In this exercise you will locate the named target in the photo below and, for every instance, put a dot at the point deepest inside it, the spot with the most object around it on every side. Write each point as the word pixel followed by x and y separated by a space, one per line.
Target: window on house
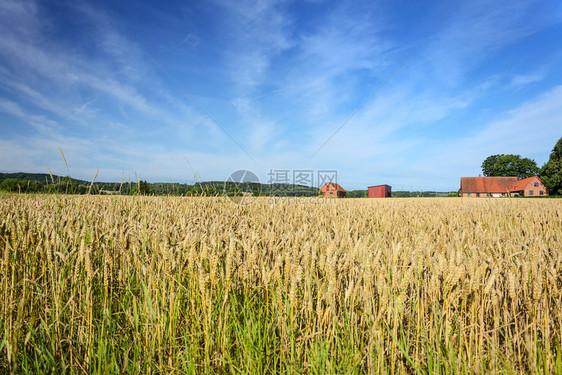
pixel 541 192
pixel 536 184
pixel 531 192
pixel 468 194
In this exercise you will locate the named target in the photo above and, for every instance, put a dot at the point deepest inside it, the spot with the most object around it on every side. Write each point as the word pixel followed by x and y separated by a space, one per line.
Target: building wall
pixel 332 192
pixel 534 191
pixel 481 195
pixel 475 195
pixel 383 191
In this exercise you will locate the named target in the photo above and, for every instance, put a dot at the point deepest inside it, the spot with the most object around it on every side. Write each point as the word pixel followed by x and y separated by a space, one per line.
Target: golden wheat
pixel 162 284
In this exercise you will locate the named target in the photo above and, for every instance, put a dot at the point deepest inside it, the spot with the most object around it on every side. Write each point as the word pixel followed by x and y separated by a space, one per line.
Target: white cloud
pixel 17 158
pixel 42 124
pixel 190 39
pixel 476 32
pixel 38 66
pixel 259 32
pixel 18 16
pixel 291 87
pixel 522 80
pixel 527 129
pixel 530 130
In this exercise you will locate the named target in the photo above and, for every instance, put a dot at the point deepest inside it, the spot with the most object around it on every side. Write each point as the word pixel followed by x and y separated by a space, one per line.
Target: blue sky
pixel 280 77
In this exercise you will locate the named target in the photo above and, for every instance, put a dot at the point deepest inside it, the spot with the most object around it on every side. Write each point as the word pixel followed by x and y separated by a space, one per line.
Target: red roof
pixel 487 184
pixel 494 184
pixel 522 184
pixel 332 186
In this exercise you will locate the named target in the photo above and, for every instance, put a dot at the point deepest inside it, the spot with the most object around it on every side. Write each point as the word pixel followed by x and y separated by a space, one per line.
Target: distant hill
pixel 42 178
pixel 55 183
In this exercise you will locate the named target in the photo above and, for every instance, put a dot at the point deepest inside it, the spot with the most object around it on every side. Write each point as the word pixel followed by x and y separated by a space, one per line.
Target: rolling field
pixel 92 284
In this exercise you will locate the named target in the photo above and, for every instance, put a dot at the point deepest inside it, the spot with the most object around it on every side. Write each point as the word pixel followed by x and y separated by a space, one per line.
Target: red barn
pixel 380 191
pixel 331 189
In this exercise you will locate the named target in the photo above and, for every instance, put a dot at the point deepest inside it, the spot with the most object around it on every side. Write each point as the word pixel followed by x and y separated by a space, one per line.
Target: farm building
pixel 502 187
pixel 331 189
pixel 529 187
pixel 379 191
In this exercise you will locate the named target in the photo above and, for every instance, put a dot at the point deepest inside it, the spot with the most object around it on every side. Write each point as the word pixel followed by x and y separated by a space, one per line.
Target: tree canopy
pixel 551 172
pixel 18 186
pixel 141 188
pixel 509 165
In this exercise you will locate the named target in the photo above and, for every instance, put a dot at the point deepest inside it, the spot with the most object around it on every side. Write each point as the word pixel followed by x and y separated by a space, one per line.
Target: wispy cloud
pixel 522 80
pixel 476 32
pixel 259 32
pixel 42 124
pixel 38 64
pixel 538 120
pixel 190 39
pixel 280 76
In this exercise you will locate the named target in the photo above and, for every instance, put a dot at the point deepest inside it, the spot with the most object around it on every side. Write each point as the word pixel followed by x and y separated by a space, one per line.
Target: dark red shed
pixel 380 191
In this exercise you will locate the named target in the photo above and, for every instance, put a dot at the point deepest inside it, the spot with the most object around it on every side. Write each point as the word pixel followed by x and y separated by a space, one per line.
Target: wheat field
pixel 176 285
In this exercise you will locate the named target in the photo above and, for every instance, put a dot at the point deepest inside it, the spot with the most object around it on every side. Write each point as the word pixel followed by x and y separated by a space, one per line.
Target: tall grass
pixel 92 284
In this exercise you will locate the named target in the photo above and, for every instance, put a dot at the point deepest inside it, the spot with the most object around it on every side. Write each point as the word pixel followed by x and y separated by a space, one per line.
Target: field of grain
pixel 201 285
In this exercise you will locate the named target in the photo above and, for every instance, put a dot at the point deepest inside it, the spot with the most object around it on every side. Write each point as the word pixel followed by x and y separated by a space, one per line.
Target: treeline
pixel 65 185
pixel 45 183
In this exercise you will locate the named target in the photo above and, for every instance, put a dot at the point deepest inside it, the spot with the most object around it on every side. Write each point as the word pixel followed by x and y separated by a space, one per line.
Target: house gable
pixel 331 189
pixel 529 187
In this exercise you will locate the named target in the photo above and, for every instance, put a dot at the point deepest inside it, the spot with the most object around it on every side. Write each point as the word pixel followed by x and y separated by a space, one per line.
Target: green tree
pixel 141 188
pixel 11 184
pixel 509 165
pixel 20 186
pixel 66 185
pixel 551 172
pixel 210 191
pixel 234 192
pixel 195 191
